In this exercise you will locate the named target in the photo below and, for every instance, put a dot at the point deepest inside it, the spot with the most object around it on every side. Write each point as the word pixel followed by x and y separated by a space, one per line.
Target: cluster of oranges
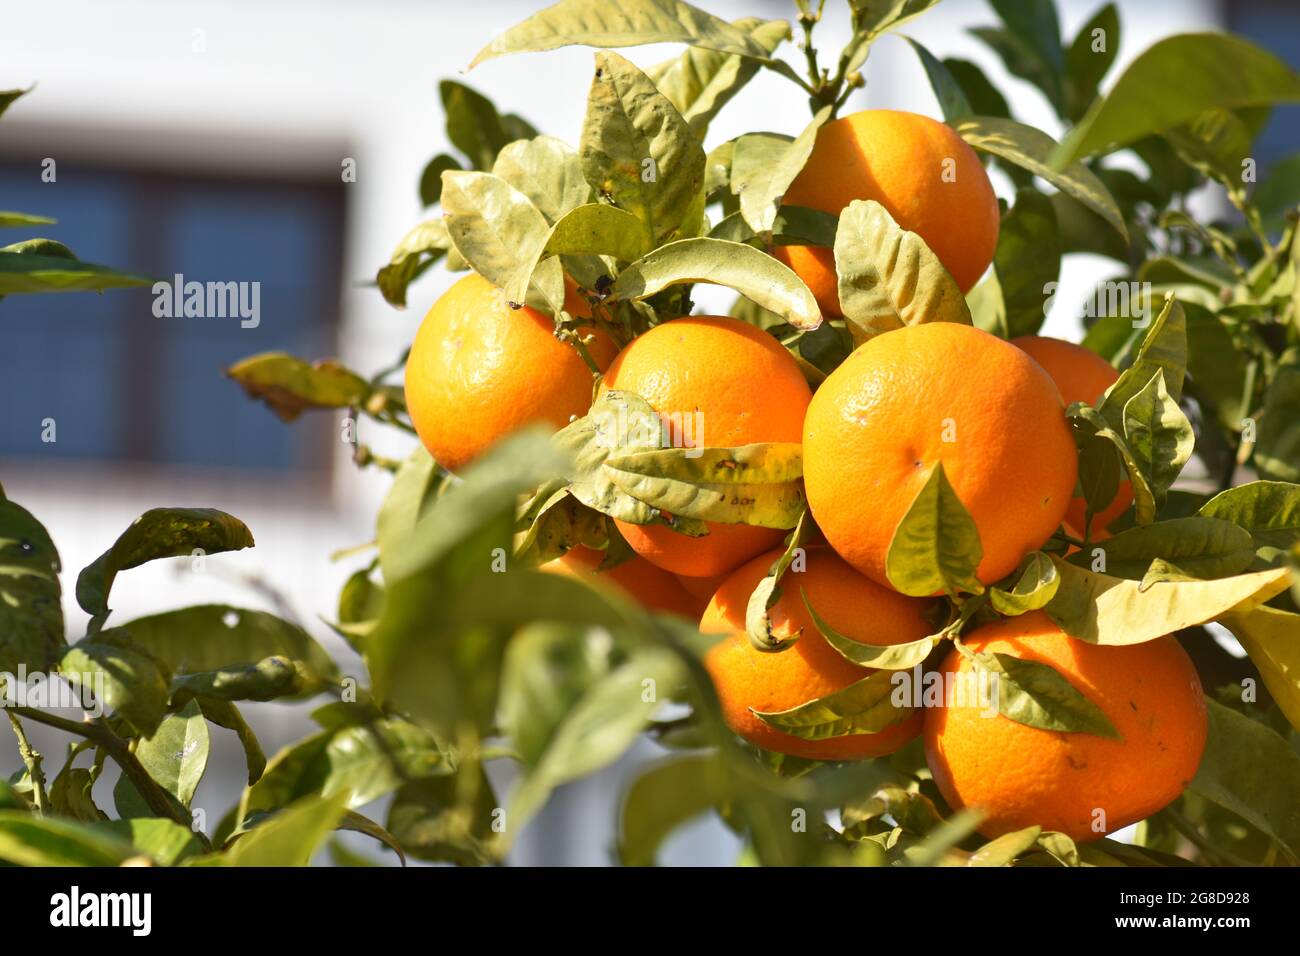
pixel 991 411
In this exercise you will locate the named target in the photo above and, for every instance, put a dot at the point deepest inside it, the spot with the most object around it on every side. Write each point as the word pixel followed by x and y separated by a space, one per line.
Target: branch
pixel 32 759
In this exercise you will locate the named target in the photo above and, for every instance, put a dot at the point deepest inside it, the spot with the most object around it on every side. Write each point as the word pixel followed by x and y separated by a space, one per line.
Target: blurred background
pixel 207 138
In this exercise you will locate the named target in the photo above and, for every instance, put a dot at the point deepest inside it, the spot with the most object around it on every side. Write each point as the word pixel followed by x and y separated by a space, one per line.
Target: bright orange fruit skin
pixel 920 170
pixel 479 370
pixel 742 387
pixel 649 586
pixel 1020 776
pixel 880 421
pixel 749 680
pixel 703 588
pixel 1082 376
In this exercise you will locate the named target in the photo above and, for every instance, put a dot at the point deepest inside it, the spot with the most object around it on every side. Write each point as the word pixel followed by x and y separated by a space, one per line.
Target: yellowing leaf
pixel 1106 610
pixel 888 277
pixel 1272 639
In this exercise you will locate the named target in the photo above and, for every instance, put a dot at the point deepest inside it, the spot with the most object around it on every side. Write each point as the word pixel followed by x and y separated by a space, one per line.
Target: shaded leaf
pixel 159 533
pixel 290 386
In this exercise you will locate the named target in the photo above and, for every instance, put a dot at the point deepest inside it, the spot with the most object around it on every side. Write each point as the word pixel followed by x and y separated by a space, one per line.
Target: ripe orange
pixel 649 586
pixel 929 393
pixel 479 370
pixel 920 170
pixel 719 383
pixel 1082 376
pixel 750 680
pixel 703 588
pixel 1020 775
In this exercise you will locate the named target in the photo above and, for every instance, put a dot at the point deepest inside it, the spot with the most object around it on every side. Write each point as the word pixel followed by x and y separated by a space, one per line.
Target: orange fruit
pixel 718 382
pixel 920 170
pixel 1020 776
pixel 1082 376
pixel 479 370
pixel 649 586
pixel 940 392
pixel 703 588
pixel 750 680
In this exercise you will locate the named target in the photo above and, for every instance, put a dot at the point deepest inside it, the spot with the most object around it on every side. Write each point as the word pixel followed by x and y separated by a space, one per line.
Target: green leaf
pixel 290 837
pixel 1216 367
pixel 1028 261
pixel 1159 435
pixel 600 727
pixel 227 715
pixel 267 679
pixel 892 657
pixel 1199 547
pixel 1033 150
pixel 753 484
pixel 872 19
pixel 983 96
pixel 362 761
pixel 1032 586
pixel 125 681
pixel 630 23
pixel 290 386
pixel 420 248
pixel 952 98
pixel 1277 445
pixel 368 762
pixel 598 229
pixel 664 797
pixel 546 170
pixel 888 277
pixel 435 654
pixel 1004 850
pixel 1251 771
pixel 13 219
pixel 495 228
pixel 175 755
pixel 752 273
pixel 31 608
pixel 864 707
pixel 27 840
pixel 414 486
pixel 164 841
pixel 1269 510
pixel 1037 695
pixel 546 670
pixel 159 533
pixel 638 153
pixel 1034 27
pixel 1218 141
pixel 446 819
pixel 214 637
pixel 7 98
pixel 431 178
pixel 71 795
pixel 473 124
pixel 1164 349
pixel 700 82
pixel 763 165
pixel 766 594
pixel 1172 83
pixel 22 272
pixel 936 546
pixel 1085 66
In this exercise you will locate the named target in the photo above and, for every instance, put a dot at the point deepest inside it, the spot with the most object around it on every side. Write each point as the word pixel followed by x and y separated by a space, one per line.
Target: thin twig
pixel 32 760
